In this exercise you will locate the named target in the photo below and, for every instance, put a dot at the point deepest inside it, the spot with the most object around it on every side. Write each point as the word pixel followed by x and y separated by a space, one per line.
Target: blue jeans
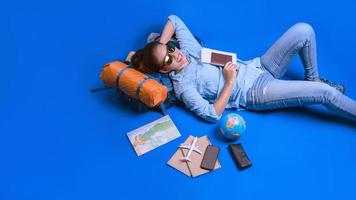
pixel 269 92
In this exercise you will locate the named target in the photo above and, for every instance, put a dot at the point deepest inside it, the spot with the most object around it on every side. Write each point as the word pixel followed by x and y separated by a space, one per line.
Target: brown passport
pixel 192 168
pixel 220 59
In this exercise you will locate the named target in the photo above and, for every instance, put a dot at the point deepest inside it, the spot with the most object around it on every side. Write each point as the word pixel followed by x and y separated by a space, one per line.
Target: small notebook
pixel 192 168
pixel 215 57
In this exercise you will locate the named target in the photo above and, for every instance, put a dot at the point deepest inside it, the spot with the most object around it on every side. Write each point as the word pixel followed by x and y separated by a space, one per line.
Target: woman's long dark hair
pixel 145 60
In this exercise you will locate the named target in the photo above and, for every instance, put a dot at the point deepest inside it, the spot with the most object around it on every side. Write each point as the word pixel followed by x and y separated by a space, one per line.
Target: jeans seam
pixel 283 100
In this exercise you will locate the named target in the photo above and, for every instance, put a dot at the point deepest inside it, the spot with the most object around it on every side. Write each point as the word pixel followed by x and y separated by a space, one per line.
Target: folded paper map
pixel 153 135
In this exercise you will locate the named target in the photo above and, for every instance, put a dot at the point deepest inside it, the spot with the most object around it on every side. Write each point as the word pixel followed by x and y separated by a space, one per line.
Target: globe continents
pixel 232 125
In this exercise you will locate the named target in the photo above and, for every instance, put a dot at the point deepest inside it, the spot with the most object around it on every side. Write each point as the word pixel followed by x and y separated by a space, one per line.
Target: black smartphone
pixel 240 156
pixel 210 157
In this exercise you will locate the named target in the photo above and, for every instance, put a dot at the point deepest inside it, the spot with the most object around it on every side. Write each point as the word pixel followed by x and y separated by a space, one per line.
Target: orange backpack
pixel 133 83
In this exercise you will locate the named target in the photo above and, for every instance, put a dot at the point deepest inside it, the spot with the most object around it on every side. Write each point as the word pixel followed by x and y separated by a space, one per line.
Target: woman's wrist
pixel 229 84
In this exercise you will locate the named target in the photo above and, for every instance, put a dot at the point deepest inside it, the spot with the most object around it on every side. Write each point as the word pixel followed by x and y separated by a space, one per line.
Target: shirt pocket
pixel 208 78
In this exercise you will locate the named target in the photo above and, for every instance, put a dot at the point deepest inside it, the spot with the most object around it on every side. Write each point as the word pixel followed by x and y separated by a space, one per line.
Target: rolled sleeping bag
pixel 134 83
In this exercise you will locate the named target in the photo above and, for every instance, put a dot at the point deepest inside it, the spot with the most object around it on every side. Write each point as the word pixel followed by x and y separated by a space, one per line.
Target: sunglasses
pixel 168 59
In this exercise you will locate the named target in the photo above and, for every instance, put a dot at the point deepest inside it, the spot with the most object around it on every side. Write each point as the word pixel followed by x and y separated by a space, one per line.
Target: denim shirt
pixel 198 84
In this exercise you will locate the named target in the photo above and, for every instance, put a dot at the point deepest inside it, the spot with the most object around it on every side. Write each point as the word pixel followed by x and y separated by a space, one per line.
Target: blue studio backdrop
pixel 59 141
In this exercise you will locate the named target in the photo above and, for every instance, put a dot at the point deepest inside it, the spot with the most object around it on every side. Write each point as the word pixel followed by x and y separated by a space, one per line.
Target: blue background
pixel 59 141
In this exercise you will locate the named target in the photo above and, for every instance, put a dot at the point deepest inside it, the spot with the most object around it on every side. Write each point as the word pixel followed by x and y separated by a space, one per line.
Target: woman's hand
pixel 230 71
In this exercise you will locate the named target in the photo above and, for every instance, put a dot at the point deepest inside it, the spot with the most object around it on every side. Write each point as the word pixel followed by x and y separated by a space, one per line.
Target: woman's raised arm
pixel 167 32
pixel 185 38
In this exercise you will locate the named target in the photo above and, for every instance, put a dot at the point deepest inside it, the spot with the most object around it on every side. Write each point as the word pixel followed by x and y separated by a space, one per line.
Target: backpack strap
pixel 140 85
pixel 100 89
pixel 117 78
pixel 163 109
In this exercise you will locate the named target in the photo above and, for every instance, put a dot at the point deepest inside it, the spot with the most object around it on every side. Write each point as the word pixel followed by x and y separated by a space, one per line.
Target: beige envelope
pixel 191 168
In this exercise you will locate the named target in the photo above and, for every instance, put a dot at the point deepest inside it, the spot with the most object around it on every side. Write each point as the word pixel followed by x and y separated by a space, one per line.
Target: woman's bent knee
pixel 303 29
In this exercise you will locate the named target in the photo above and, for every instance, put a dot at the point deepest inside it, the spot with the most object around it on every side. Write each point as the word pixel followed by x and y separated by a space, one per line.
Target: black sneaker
pixel 337 86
